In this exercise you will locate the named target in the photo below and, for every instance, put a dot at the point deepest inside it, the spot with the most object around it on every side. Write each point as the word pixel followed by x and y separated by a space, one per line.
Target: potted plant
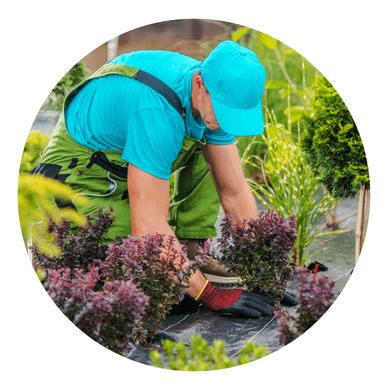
pixel 260 251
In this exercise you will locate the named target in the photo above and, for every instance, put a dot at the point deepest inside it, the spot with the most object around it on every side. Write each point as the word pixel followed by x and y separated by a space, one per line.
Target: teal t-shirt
pixel 118 113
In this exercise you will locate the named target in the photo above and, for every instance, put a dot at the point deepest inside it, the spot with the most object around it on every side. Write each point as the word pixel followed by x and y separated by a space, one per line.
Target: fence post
pixel 362 219
pixel 112 46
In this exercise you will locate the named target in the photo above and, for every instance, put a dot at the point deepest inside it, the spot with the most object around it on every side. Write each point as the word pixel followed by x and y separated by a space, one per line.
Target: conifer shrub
pixel 316 295
pixel 157 269
pixel 332 145
pixel 260 251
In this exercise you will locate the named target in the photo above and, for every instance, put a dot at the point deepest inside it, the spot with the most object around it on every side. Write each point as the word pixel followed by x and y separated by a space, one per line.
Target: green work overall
pixel 194 205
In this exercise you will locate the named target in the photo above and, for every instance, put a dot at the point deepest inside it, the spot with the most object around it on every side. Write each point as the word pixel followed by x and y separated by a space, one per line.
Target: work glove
pixel 289 299
pixel 237 301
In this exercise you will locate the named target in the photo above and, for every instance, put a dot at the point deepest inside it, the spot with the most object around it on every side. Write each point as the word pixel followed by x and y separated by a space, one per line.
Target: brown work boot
pixel 213 271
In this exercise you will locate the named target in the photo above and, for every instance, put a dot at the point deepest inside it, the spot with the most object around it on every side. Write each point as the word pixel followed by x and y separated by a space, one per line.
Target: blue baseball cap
pixel 235 80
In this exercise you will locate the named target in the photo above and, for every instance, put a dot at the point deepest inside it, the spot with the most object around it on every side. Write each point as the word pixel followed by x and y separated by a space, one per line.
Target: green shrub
pixel 35 144
pixel 200 356
pixel 69 81
pixel 332 145
pixel 36 204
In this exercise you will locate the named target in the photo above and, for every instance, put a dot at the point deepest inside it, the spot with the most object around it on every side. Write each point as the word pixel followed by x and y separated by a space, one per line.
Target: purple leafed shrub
pixel 108 316
pixel 260 251
pixel 151 263
pixel 79 251
pixel 316 295
pixel 157 268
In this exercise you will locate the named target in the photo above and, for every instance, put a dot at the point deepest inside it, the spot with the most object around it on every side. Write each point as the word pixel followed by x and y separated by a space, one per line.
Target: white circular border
pixel 190 9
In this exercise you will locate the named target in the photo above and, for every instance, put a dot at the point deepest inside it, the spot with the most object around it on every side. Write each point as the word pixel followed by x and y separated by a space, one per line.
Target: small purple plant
pixel 315 298
pixel 260 251
pixel 157 268
pixel 108 316
pixel 151 263
pixel 79 251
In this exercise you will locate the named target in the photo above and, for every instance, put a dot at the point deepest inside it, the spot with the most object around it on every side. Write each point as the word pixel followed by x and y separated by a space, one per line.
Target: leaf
pixel 289 51
pixel 272 84
pixel 239 33
pixel 319 251
pixel 333 232
pixel 295 113
pixel 268 41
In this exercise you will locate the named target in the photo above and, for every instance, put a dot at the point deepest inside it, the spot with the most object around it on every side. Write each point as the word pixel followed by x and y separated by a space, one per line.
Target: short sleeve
pixel 154 139
pixel 218 137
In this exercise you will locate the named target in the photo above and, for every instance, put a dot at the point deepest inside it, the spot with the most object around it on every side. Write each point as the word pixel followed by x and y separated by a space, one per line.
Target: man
pixel 149 113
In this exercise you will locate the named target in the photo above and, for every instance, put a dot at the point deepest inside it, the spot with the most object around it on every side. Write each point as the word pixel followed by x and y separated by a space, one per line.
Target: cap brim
pixel 239 122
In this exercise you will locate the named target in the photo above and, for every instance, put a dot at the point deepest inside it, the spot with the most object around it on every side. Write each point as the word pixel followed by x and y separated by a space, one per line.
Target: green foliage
pixel 36 204
pixel 288 87
pixel 285 69
pixel 36 194
pixel 69 81
pixel 200 356
pixel 292 187
pixel 332 145
pixel 35 144
pixel 172 183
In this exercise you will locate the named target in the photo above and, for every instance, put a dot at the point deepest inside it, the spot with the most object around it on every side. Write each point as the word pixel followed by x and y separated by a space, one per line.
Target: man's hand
pixel 149 202
pixel 237 301
pixel 289 299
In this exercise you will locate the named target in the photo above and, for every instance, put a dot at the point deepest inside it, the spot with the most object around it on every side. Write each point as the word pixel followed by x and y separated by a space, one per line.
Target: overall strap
pixel 98 157
pixel 141 76
pixel 161 88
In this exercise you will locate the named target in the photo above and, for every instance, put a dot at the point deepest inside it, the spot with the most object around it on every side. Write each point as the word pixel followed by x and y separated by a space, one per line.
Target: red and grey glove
pixel 289 299
pixel 239 302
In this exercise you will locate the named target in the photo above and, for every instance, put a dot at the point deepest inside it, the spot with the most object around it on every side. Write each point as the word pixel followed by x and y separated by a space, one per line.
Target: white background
pixel 28 347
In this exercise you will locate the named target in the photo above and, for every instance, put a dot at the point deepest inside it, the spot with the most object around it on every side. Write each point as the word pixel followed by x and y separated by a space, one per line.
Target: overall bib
pixel 101 175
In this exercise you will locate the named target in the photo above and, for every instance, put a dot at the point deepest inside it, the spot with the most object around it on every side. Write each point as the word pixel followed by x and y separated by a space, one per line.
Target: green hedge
pixel 332 145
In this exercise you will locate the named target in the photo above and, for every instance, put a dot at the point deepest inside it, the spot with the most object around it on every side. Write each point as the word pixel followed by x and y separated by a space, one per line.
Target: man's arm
pixel 149 202
pixel 235 195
